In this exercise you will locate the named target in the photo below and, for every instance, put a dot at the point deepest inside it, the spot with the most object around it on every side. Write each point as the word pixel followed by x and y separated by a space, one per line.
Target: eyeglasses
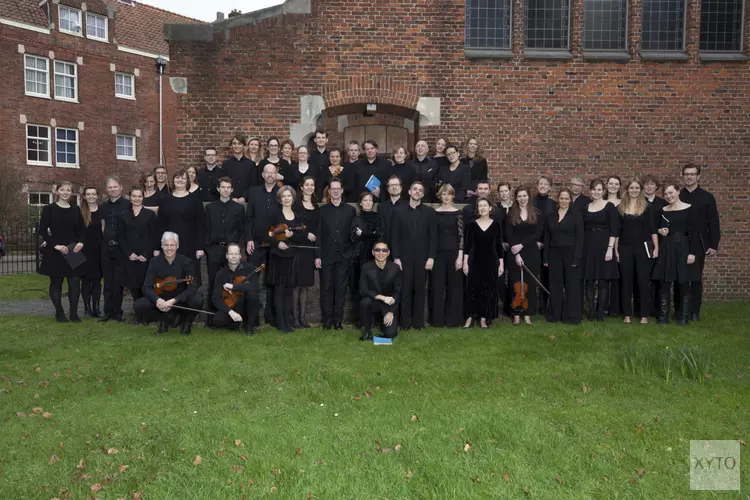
pixel 380 250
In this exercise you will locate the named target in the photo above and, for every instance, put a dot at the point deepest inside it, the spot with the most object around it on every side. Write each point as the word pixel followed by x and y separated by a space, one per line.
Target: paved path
pixel 43 307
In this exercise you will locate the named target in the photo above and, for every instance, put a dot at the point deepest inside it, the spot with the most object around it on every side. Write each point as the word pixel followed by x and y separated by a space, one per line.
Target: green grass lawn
pixel 546 411
pixel 25 286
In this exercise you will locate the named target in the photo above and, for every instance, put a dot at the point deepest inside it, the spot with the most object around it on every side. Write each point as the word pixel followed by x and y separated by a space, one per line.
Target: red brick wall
pixel 98 108
pixel 531 117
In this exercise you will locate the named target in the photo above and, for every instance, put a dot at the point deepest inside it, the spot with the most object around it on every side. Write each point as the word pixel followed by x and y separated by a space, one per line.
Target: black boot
pixel 589 291
pixel 602 300
pixel 366 334
pixel 684 317
pixel 663 317
pixel 163 327
pixel 187 328
pixel 95 312
pixel 87 310
pixel 74 318
pixel 60 317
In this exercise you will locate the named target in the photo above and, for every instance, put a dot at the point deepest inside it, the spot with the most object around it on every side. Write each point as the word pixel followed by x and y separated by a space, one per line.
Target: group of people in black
pixel 270 221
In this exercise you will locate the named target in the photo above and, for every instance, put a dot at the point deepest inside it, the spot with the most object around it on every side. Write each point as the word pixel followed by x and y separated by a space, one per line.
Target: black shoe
pixel 163 328
pixel 87 311
pixel 327 326
pixel 60 317
pixel 695 317
pixel 187 328
pixel 250 331
pixel 366 334
pixel 119 318
pixel 684 317
pixel 176 320
pixel 105 318
pixel 302 322
pixel 136 322
pixel 95 312
pixel 338 326
pixel 74 318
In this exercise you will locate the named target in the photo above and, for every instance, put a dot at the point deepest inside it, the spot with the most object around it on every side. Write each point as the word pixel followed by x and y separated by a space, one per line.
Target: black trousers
pixel 614 305
pixel 597 309
pixel 261 256
pixel 413 293
pixel 246 306
pixel 635 274
pixel 112 271
pixel 334 278
pixel 696 287
pixel 447 291
pixel 374 310
pixel 147 310
pixel 215 260
pixel 542 300
pixel 564 286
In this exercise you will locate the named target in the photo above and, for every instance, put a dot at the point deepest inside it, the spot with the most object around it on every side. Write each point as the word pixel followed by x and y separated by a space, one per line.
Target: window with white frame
pixel 66 147
pixel 38 145
pixel 36 75
pixel 40 199
pixel 125 147
pixel 125 85
pixel 96 27
pixel 70 21
pixel 66 81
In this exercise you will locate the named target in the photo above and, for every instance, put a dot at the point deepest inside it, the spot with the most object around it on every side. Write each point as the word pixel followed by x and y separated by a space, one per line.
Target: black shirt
pixel 208 180
pixel 243 173
pixel 414 233
pixel 387 282
pixel 635 229
pixel 112 212
pixel 707 215
pixel 225 223
pixel 185 216
pixel 365 169
pixel 333 234
pixel 138 234
pixel 319 159
pixel 387 210
pixel 261 209
pixel 544 204
pixel 479 170
pixel 226 275
pixel 180 268
pixel 459 179
pixel 582 202
pixel 405 172
pixel 566 233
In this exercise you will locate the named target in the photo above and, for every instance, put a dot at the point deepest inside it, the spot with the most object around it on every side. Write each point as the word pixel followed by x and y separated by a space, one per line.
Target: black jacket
pixel 261 210
pixel 180 268
pixel 707 216
pixel 243 173
pixel 566 233
pixel 414 233
pixel 386 282
pixel 208 180
pixel 225 223
pixel 112 212
pixel 333 234
pixel 226 275
pixel 138 235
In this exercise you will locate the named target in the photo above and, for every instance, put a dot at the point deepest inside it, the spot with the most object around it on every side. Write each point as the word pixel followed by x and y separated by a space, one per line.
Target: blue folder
pixel 382 341
pixel 372 183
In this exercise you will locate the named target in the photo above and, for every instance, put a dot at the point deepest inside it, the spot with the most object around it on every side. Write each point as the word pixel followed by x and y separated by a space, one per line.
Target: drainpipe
pixel 161 63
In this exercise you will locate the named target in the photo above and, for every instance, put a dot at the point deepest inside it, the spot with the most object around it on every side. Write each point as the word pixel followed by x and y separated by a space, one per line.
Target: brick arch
pixel 370 90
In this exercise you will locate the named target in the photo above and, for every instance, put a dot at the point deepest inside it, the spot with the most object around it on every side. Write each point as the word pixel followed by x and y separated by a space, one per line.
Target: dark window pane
pixel 604 24
pixel 487 24
pixel 547 23
pixel 663 25
pixel 721 25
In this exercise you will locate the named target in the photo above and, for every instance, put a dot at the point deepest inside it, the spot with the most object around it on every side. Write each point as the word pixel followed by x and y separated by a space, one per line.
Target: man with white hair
pixel 169 283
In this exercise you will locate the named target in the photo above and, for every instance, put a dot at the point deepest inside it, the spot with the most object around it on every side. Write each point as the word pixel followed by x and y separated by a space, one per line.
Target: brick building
pixel 621 87
pixel 80 94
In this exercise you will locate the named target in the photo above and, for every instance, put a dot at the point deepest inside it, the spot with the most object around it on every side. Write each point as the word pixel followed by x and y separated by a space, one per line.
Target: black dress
pixel 598 228
pixel 92 242
pixel 479 170
pixel 283 265
pixel 60 226
pixel 293 177
pixel 348 179
pixel 185 217
pixel 682 240
pixel 137 235
pixel 459 179
pixel 305 257
pixel 485 249
pixel 528 235
pixel 154 201
pixel 372 226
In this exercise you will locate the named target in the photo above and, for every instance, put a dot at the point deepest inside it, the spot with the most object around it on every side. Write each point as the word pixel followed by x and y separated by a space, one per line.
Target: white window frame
pixel 132 85
pixel 49 145
pixel 40 194
pixel 75 81
pixel 123 157
pixel 25 81
pixel 60 9
pixel 106 27
pixel 77 152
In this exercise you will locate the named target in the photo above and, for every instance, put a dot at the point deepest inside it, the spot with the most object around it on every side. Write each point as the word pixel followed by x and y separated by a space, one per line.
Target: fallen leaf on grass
pixel 47 414
pixel 640 472
pixel 137 495
pixel 500 380
pixel 197 460
pixel 414 418
pixel 506 477
pixel 85 477
pixel 467 446
pixel 220 453
pixel 586 388
pixel 526 491
pixel 238 443
pixel 397 447
pixel 476 479
pixel 53 459
pixel 81 464
pixel 20 414
pixel 276 472
pixel 742 442
pixel 632 481
pixel 113 451
pixel 38 370
pixel 96 488
pixel 552 338
pixel 298 453
pixel 320 461
pixel 409 475
pixel 122 468
pixel 243 458
pixel 274 489
pixel 559 480
pixel 640 427
pixel 37 410
pixel 237 468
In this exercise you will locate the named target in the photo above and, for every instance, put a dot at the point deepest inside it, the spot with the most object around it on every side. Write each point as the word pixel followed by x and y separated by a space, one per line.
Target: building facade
pixel 80 95
pixel 560 87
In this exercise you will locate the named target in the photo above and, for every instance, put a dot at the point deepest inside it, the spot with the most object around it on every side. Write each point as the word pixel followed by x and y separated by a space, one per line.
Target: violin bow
pixel 191 309
pixel 535 279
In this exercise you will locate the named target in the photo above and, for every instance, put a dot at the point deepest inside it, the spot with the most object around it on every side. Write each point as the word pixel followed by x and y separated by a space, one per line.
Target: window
pixel 663 25
pixel 37 145
pixel 605 25
pixel 66 147
pixel 488 24
pixel 36 75
pixel 96 27
pixel 124 85
pixel 66 81
pixel 721 25
pixel 70 20
pixel 125 147
pixel 40 199
pixel 547 24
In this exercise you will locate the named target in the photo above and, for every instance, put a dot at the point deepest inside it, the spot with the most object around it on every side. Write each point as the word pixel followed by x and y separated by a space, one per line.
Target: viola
pixel 520 301
pixel 169 284
pixel 278 232
pixel 230 298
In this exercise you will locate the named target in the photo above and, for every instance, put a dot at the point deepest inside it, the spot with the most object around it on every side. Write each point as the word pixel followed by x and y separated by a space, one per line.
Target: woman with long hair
pixel 300 169
pixel 563 255
pixel 446 282
pixel 273 157
pixel 152 197
pixel 62 229
pixel 455 173
pixel 307 209
pixel 474 158
pixel 91 279
pixel 525 226
pixel 613 195
pixel 289 174
pixel 440 157
pixel 637 245
pixel 193 178
pixel 612 190
pixel 601 228
pixel 337 170
pixel 254 152
pixel 401 167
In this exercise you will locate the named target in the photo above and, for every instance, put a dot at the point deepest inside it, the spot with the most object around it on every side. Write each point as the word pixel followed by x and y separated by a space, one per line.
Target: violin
pixel 169 284
pixel 278 232
pixel 230 297
pixel 520 301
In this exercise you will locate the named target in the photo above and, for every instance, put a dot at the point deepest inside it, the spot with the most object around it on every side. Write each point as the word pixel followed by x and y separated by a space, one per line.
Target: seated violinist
pixel 380 292
pixel 235 293
pixel 169 285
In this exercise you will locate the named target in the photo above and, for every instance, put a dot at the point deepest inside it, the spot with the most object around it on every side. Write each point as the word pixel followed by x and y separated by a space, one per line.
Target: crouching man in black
pixel 157 301
pixel 246 305
pixel 380 289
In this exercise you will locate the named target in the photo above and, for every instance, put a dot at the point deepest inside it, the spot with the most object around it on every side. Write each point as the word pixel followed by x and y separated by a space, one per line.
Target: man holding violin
pixel 235 293
pixel 168 285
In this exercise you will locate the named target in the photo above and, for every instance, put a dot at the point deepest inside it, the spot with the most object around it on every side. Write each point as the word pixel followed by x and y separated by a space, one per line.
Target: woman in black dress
pixel 483 264
pixel 367 228
pixel 138 240
pixel 637 245
pixel 613 195
pixel 525 226
pixel 301 169
pixel 441 158
pixel 283 263
pixel 679 244
pixel 474 159
pixel 307 208
pixel 563 255
pixel 456 174
pixel 62 230
pixel 287 151
pixel 601 227
pixel 289 174
pixel 500 214
pixel 447 288
pixel 345 173
pixel 282 166
pixel 182 213
pixel 91 279
pixel 152 197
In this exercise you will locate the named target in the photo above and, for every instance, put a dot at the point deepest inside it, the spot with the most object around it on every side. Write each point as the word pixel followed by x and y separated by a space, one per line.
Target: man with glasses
pixel 208 176
pixel 380 292
pixel 246 306
pixel 707 214
pixel 388 207
pixel 580 200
